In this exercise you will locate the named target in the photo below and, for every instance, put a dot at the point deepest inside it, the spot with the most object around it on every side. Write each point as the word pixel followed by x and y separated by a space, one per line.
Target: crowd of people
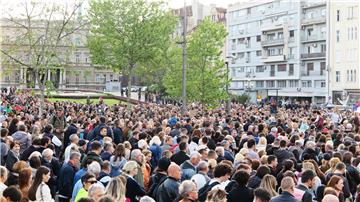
pixel 97 153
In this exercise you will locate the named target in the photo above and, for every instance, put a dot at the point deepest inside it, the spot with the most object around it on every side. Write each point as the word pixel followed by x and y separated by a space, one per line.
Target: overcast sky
pixel 221 3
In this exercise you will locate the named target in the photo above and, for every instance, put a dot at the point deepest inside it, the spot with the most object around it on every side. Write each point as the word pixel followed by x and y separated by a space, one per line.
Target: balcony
pixel 273 58
pixel 273 42
pixel 313 21
pixel 313 56
pixel 313 38
pixel 291 56
pixel 313 5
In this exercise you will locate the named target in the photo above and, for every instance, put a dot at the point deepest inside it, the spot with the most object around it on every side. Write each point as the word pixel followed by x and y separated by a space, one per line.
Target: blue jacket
pixel 284 197
pixel 188 170
pixel 65 179
pixel 156 155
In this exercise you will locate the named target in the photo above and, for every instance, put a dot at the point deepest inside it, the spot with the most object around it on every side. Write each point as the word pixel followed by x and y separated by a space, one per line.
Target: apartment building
pixel 344 51
pixel 77 73
pixel 278 49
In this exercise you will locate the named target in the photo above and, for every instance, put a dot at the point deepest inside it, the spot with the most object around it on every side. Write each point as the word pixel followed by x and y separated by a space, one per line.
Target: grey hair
pixel 195 155
pixel 135 153
pixel 3 172
pixel 203 165
pixel 73 136
pixel 186 187
pixel 220 150
pixel 47 152
pixel 74 155
pixel 93 188
pixel 147 199
pixel 94 168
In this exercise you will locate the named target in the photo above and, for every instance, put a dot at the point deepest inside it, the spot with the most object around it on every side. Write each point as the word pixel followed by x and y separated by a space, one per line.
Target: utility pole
pixel 183 106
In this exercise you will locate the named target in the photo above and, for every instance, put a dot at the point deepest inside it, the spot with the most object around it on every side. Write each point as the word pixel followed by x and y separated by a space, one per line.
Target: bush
pixel 241 99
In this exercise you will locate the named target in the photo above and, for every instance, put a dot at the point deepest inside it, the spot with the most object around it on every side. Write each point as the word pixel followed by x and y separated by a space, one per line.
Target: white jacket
pixel 43 194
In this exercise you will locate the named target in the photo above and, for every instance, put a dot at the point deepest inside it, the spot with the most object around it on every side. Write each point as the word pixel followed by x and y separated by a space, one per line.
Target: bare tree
pixel 42 38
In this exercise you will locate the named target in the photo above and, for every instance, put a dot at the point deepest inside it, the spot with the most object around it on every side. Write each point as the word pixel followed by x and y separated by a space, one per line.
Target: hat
pixel 164 163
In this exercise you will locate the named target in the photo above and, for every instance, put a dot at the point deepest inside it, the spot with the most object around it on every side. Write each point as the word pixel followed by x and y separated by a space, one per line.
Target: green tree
pixel 128 34
pixel 206 74
pixel 40 39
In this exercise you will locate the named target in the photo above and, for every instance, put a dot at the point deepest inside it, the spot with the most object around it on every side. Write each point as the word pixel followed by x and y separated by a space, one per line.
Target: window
pixel 270 84
pixel 351 75
pixel 77 41
pixel 322 68
pixel 310 31
pixel 323 48
pixel 355 33
pixel 282 68
pixel 310 67
pixel 271 52
pixel 291 33
pixel 271 37
pixel 337 76
pixel 323 84
pixel 291 69
pixel 281 84
pixel 309 84
pixel 260 68
pixel 248 11
pixel 258 38
pixel 272 70
pixel 350 12
pixel 280 50
pixel 354 75
pixel 77 57
pixel 338 15
pixel 259 84
pixel 348 33
pixel 233 72
pixel 242 69
pixel 304 84
pixel 280 35
pixel 241 55
pixel 258 53
pixel 352 33
pixel 347 75
pixel 337 35
pixel 293 83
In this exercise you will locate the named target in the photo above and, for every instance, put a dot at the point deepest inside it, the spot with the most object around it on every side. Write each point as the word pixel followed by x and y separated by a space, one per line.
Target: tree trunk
pixel 131 67
pixel 42 92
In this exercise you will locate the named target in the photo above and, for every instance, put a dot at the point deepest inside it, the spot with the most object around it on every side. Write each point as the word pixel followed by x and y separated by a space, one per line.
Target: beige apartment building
pixel 344 52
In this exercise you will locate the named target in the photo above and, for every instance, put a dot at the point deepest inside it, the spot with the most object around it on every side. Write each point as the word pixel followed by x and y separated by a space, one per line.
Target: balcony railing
pixel 272 42
pixel 320 37
pixel 312 55
pixel 314 20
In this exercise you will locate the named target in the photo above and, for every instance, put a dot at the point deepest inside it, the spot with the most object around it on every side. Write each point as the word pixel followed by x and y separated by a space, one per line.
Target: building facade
pixel 344 51
pixel 278 49
pixel 77 72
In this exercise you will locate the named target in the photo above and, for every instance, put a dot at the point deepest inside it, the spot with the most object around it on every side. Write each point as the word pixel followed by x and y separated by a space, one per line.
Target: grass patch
pixel 109 102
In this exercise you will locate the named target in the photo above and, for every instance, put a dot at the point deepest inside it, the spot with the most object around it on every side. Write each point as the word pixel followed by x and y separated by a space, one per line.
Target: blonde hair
pixel 129 166
pixel 117 188
pixel 332 163
pixel 308 166
pixel 212 163
pixel 269 184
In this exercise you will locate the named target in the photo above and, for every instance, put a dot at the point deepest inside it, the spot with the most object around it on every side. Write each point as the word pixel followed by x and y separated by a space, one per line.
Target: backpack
pixel 153 190
pixel 204 191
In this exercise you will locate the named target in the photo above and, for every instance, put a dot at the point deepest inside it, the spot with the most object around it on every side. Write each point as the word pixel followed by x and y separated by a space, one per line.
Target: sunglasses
pixel 92 182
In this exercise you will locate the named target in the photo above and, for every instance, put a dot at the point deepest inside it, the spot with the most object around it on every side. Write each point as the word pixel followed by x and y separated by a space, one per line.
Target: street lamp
pixel 228 101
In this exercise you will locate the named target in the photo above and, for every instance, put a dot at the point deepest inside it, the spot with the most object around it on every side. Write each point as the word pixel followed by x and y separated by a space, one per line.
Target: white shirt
pixel 43 193
pixel 68 152
pixel 199 180
pixel 2 188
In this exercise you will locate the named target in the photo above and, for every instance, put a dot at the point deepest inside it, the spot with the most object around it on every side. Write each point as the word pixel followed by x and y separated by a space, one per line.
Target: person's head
pixel 288 165
pixel 59 111
pixel 174 171
pixel 131 168
pixel 269 183
pixel 96 147
pixel 116 188
pixel 287 184
pixel 18 166
pixel 251 143
pixel 241 177
pixel 222 172
pixel 347 158
pixel 217 195
pixel 94 168
pixel 308 178
pixel 22 127
pixel 106 198
pixel 47 154
pixel 336 182
pixel 330 198
pixel 147 155
pixel 119 151
pixel 262 171
pixel 188 190
pixel 108 147
pixel 12 194
pixel 195 158
pixel 48 128
pixel 261 195
pixel 103 131
pixel 163 164
pixel 203 166
pixel 4 132
pixel 15 146
pixel 3 174
pixel 75 158
pixel 272 161
pixel 137 156
pixel 87 180
pixel 74 138
pixel 96 191
pixel 42 175
pixel 183 146
pixel 25 178
pixel 340 168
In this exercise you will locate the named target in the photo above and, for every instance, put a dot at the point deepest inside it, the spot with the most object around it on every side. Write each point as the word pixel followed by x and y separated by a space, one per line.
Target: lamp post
pixel 228 101
pixel 183 91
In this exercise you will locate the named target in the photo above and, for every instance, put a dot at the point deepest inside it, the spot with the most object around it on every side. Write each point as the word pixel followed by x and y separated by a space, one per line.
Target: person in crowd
pixel 216 195
pixel 255 180
pixel 87 180
pixel 307 182
pixel 337 183
pixel 74 140
pixel 138 157
pixel 269 184
pixel 22 137
pixel 201 178
pixel 3 177
pixel 287 187
pixel 116 188
pixel 159 176
pixel 107 151
pixel 241 192
pixel 261 195
pixel 66 177
pixel 188 168
pixel 133 189
pixel 94 154
pixel 169 189
pixel 39 190
pixel 13 155
pixel 117 160
pixel 95 192
pixel 25 182
pixel 12 194
pixel 187 191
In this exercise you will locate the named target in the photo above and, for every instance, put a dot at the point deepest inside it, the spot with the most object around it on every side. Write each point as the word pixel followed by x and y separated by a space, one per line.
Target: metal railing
pixel 312 55
pixel 272 41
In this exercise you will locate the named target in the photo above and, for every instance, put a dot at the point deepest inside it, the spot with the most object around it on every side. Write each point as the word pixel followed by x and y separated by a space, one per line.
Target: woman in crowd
pixel 269 184
pixel 39 190
pixel 13 155
pixel 116 188
pixel 133 190
pixel 118 160
pixel 337 183
pixel 25 181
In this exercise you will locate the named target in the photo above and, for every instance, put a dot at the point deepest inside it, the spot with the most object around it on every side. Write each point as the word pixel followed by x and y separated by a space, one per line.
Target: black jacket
pixel 179 157
pixel 133 190
pixel 284 197
pixel 240 194
pixel 307 197
pixel 254 182
pixel 168 191
pixel 72 129
pixel 154 182
pixel 118 135
pixel 92 156
pixel 353 177
pixel 346 188
pixel 282 154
